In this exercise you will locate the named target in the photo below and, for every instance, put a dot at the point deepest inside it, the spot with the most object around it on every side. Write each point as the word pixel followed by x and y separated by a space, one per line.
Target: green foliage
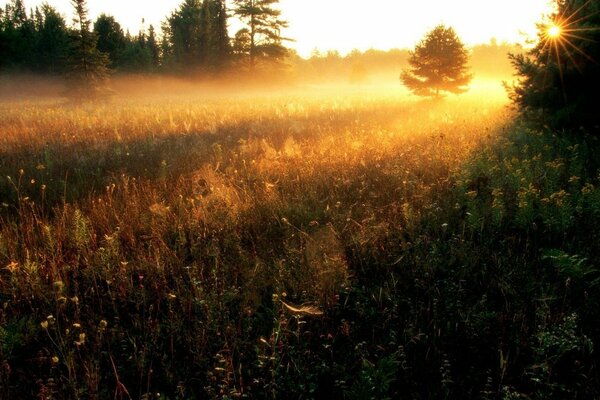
pixel 438 64
pixel 559 77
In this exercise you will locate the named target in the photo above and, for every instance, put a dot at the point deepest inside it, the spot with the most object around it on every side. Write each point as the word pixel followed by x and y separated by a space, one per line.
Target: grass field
pixel 333 243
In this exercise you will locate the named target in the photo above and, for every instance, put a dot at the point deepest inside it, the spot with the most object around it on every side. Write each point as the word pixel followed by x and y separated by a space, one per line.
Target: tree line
pixel 195 37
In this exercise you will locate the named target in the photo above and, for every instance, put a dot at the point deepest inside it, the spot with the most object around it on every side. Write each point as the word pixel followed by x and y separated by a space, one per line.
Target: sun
pixel 554 31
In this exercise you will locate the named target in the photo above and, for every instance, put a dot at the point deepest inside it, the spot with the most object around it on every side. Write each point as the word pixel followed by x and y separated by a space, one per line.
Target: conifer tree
pixel 53 41
pixel 110 38
pixel 153 48
pixel 196 35
pixel 88 67
pixel 559 78
pixel 260 41
pixel 438 64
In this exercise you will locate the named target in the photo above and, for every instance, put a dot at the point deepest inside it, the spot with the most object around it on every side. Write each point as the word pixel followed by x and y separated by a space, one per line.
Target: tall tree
pixel 183 30
pixel 221 35
pixel 560 77
pixel 18 37
pixel 153 48
pixel 111 38
pixel 196 35
pixel 260 41
pixel 88 67
pixel 53 41
pixel 438 64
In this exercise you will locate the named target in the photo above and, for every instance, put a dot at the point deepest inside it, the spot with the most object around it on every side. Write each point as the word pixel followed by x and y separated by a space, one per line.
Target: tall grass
pixel 289 245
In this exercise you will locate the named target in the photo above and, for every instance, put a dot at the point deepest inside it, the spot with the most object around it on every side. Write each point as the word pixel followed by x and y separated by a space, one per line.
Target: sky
pixel 344 25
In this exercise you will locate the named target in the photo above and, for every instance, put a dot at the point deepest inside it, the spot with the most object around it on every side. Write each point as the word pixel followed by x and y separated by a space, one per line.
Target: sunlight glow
pixel 344 25
pixel 554 31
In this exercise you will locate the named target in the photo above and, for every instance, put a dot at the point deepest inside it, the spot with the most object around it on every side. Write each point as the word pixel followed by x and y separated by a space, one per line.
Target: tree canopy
pixel 195 35
pixel 87 67
pixel 438 64
pixel 559 78
pixel 260 41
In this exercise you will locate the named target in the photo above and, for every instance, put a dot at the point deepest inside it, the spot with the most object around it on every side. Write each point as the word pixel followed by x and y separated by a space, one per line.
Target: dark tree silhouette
pixel 17 37
pixel 88 67
pixel 153 48
pixel 559 78
pixel 52 44
pixel 111 38
pixel 260 41
pixel 196 35
pixel 438 64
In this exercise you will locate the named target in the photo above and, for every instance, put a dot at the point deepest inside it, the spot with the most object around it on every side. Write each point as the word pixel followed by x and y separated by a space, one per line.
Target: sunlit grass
pixel 232 232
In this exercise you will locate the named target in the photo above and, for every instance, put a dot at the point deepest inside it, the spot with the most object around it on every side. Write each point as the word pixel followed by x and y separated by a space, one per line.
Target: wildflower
pixel 75 300
pixel 102 325
pixel 44 324
pixel 55 360
pixel 81 339
pixel 587 189
pixel 12 267
pixel 171 296
pixel 472 194
pixel 76 325
pixel 574 179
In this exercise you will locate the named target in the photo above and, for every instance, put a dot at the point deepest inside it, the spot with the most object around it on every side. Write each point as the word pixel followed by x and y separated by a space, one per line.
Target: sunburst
pixel 554 31
pixel 559 36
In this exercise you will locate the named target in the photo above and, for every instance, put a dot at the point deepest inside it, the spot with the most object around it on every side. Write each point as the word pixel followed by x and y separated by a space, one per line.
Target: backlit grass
pixel 337 244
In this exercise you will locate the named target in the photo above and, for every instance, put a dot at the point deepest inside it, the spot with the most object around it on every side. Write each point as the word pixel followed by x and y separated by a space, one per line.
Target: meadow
pixel 337 242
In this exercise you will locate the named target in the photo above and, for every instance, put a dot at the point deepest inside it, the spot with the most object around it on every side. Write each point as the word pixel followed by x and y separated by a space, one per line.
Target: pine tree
pixel 153 48
pixel 110 38
pixel 53 41
pixel 183 30
pixel 438 64
pixel 88 67
pixel 560 77
pixel 196 36
pixel 221 34
pixel 260 41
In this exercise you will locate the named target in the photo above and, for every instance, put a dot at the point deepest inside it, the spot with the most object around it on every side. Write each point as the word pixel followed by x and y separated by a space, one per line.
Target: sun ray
pixel 575 64
pixel 583 53
pixel 561 72
pixel 581 19
pixel 567 21
pixel 579 37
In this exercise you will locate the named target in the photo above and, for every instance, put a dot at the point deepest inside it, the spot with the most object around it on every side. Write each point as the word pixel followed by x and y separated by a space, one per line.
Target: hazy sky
pixel 348 24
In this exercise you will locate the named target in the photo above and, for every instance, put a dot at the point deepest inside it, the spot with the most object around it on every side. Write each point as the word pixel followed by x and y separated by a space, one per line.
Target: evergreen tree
pixel 88 67
pixel 17 38
pixel 560 77
pixel 111 38
pixel 153 48
pixel 137 56
pixel 260 41
pixel 438 64
pixel 222 45
pixel 53 41
pixel 196 35
pixel 183 30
